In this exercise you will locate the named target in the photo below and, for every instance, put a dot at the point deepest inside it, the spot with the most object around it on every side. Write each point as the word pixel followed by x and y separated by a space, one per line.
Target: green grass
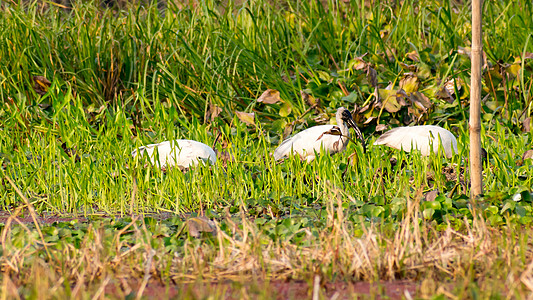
pixel 122 78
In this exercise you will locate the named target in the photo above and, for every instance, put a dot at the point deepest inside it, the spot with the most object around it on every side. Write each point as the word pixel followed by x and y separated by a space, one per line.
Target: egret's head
pixel 346 117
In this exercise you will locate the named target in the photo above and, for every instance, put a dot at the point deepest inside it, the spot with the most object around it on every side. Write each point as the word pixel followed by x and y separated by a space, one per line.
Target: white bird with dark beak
pixel 331 138
pixel 181 153
pixel 425 138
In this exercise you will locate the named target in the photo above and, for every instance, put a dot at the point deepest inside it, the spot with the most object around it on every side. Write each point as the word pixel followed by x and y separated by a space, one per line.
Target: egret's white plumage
pixel 424 138
pixel 331 138
pixel 181 153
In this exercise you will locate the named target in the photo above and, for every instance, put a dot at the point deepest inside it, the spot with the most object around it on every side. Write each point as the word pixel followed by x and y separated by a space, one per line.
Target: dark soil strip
pixel 50 218
pixel 277 289
pixel 44 218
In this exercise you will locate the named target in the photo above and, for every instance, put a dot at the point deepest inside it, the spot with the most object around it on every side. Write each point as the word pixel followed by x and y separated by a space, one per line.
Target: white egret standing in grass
pixel 424 138
pixel 331 138
pixel 181 153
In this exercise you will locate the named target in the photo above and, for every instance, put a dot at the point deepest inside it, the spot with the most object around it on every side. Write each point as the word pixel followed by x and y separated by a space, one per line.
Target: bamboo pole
pixel 475 102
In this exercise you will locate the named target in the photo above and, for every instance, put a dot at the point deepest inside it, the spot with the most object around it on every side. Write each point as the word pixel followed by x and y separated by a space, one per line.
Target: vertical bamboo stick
pixel 475 101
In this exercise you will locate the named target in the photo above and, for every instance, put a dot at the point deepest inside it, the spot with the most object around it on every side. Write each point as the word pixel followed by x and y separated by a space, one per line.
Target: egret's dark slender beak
pixel 351 123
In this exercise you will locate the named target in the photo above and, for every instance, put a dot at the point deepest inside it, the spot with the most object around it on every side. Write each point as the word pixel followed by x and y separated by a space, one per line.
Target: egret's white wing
pixel 309 141
pixel 183 153
pixel 424 138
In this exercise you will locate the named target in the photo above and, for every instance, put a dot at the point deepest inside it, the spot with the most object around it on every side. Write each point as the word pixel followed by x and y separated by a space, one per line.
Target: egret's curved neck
pixel 344 127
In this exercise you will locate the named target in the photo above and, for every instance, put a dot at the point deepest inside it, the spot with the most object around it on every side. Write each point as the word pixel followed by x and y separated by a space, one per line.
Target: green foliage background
pixel 121 78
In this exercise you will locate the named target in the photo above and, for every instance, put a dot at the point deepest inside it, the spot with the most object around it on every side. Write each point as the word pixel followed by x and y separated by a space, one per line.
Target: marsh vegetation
pixel 82 87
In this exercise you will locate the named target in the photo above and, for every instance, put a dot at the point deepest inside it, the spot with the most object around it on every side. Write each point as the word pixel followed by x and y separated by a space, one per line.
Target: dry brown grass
pixel 447 262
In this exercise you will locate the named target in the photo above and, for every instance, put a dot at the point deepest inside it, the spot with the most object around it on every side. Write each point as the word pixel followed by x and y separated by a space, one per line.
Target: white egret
pixel 331 138
pixel 424 138
pixel 181 153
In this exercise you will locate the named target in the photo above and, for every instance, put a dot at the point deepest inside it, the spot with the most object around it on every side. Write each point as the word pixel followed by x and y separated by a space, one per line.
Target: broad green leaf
pixel 393 102
pixel 428 213
pixel 352 97
pixel 513 69
pixel 409 84
pixel 247 118
pixel 324 76
pixel 509 205
pixel 285 109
